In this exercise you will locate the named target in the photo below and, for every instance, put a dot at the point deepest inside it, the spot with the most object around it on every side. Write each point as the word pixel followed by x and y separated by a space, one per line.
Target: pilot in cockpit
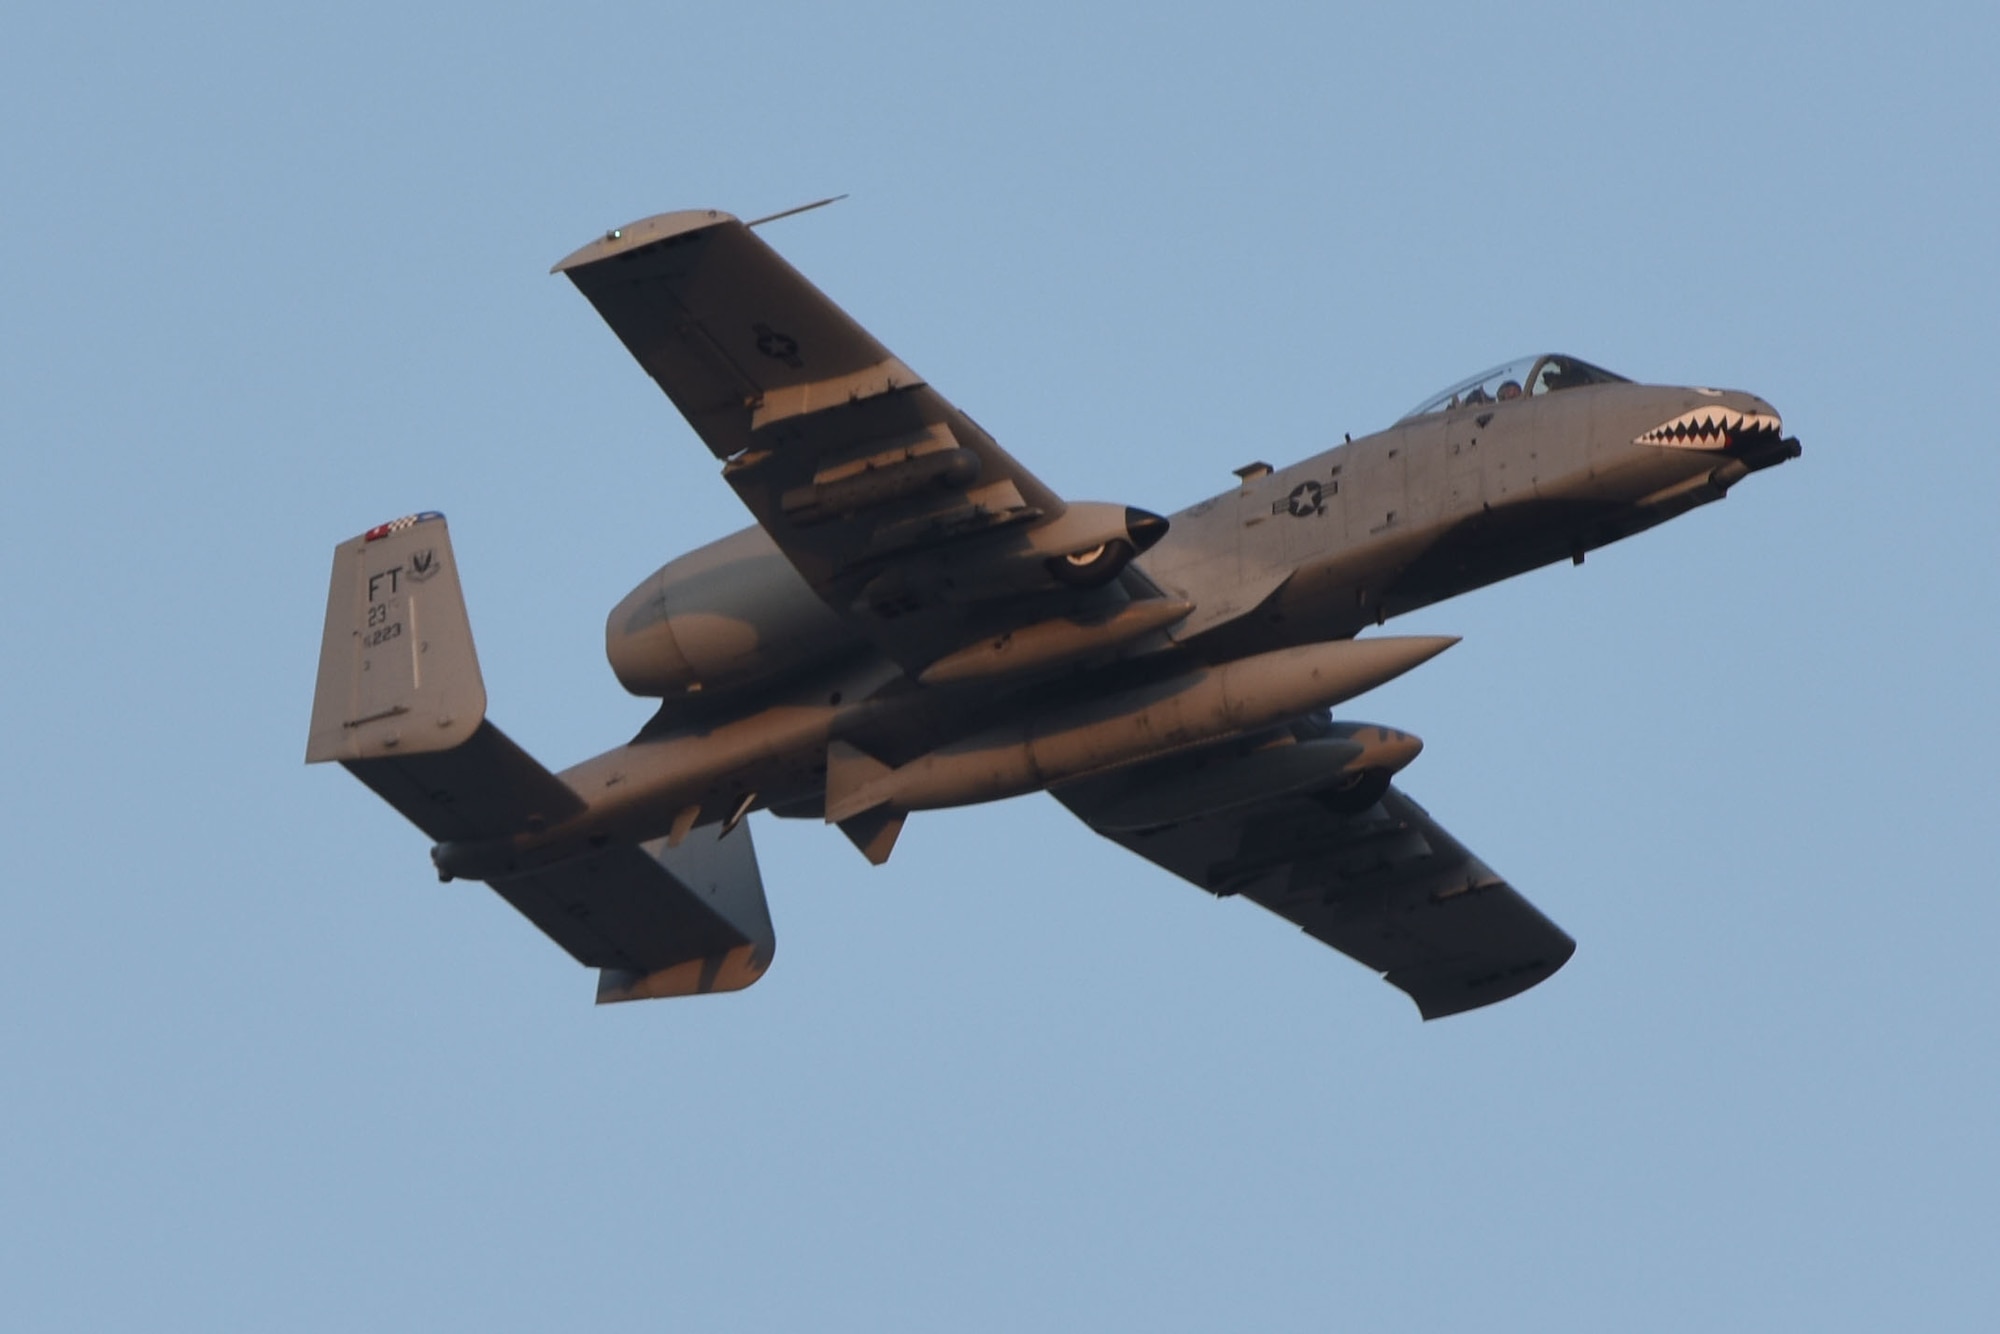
pixel 1524 377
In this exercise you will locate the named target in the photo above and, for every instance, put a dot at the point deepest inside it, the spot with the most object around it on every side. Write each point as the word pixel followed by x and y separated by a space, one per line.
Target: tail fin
pixel 400 700
pixel 400 704
pixel 397 674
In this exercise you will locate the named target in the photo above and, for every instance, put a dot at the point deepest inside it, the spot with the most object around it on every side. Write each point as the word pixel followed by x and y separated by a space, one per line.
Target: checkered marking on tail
pixel 382 530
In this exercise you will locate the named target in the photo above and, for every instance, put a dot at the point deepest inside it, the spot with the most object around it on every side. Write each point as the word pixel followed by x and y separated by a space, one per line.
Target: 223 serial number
pixel 373 638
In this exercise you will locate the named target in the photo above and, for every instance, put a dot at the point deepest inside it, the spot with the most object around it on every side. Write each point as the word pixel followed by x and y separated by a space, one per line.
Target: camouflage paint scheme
pixel 915 621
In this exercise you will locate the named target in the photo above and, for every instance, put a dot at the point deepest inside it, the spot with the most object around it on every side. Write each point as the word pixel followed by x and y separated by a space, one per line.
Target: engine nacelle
pixel 728 615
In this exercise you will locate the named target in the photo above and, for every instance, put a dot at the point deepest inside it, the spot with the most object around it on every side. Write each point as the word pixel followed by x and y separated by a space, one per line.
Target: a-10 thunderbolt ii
pixel 917 621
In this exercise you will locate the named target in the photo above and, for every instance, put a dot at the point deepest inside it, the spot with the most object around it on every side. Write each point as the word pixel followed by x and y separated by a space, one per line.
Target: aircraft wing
pixel 869 481
pixel 1386 886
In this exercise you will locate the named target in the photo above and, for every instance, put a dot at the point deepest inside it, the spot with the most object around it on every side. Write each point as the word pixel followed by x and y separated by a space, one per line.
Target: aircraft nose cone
pixel 1143 527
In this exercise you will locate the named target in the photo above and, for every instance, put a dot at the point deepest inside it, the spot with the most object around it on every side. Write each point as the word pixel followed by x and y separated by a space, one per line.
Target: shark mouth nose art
pixel 1712 428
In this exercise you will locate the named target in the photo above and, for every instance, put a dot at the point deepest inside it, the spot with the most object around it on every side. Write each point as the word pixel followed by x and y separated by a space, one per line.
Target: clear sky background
pixel 272 276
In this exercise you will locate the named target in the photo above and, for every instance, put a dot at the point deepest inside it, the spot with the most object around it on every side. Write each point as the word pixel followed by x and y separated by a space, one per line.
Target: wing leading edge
pixel 1386 886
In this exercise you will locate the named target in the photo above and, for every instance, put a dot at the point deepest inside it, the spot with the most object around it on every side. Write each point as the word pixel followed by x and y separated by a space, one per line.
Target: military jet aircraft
pixel 916 621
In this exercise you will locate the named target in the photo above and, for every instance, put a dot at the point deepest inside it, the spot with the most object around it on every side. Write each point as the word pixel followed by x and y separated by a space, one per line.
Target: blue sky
pixel 276 276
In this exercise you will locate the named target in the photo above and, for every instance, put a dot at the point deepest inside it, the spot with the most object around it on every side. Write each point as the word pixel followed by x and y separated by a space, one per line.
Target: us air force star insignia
pixel 424 564
pixel 777 346
pixel 1305 499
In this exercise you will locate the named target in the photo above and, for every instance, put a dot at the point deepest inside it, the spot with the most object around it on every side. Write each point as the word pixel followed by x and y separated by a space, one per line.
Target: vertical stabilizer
pixel 397 673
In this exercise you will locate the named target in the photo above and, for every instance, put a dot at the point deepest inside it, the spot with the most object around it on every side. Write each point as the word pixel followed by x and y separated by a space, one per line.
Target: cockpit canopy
pixel 1523 377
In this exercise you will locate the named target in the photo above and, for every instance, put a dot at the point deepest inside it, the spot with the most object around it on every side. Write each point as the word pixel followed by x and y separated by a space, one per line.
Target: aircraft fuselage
pixel 1448 502
pixel 1317 551
pixel 918 621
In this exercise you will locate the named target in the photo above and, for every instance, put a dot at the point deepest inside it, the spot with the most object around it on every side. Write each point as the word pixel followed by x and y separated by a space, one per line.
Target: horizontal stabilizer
pixel 658 921
pixel 486 787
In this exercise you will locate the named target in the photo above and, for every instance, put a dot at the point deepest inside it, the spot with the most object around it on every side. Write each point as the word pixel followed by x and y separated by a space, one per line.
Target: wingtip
pixel 1435 1003
pixel 644 232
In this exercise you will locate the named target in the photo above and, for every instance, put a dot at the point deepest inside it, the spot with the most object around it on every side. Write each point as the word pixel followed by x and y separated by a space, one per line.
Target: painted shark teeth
pixel 1709 428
